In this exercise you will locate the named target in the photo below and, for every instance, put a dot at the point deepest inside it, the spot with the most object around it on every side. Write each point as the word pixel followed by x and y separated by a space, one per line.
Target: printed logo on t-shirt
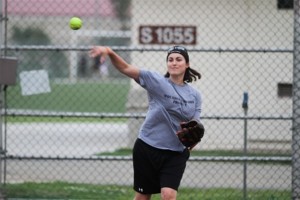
pixel 177 100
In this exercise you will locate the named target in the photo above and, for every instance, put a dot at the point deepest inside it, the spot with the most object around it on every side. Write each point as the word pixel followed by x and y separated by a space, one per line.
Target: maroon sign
pixel 167 35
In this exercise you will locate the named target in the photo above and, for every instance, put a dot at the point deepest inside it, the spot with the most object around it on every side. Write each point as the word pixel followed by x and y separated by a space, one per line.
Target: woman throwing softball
pixel 159 157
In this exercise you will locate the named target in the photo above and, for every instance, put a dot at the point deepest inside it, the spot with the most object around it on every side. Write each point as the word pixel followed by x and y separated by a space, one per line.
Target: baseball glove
pixel 191 133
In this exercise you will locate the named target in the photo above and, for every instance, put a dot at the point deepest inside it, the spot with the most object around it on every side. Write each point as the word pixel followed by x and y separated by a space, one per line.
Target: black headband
pixel 181 50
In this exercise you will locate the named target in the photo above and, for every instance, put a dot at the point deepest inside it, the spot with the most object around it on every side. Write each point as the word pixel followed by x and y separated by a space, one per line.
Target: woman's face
pixel 176 64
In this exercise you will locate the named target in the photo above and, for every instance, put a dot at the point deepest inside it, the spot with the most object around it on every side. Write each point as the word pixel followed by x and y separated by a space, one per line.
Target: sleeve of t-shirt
pixel 149 79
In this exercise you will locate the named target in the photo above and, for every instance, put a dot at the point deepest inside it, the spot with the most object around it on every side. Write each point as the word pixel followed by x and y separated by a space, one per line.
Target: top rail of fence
pixel 140 49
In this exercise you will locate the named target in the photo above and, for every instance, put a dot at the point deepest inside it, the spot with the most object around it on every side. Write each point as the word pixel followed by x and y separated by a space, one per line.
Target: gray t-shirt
pixel 169 104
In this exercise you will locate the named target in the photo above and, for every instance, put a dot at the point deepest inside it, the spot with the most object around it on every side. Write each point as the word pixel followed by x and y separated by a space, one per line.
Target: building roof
pixel 61 7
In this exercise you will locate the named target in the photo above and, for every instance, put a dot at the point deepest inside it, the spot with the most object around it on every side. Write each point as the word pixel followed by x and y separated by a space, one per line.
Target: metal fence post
pixel 1 103
pixel 1 142
pixel 245 107
pixel 296 106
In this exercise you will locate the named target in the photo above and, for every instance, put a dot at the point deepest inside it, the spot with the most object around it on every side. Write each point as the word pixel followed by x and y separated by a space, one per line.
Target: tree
pixel 54 62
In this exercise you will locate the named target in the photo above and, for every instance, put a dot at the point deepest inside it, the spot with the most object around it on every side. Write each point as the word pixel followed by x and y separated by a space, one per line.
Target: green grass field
pixel 128 152
pixel 80 97
pixel 64 190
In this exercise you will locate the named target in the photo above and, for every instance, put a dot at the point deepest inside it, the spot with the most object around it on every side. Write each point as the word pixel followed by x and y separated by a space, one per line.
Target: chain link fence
pixel 69 122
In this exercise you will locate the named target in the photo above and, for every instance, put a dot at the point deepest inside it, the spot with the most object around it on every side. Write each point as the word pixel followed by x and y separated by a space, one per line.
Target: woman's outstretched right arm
pixel 119 63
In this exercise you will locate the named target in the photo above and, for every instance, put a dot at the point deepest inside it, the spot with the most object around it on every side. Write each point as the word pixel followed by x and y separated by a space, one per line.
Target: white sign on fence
pixel 34 82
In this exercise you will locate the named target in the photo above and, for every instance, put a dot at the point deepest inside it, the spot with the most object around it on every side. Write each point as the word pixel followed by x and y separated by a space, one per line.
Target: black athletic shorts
pixel 156 168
